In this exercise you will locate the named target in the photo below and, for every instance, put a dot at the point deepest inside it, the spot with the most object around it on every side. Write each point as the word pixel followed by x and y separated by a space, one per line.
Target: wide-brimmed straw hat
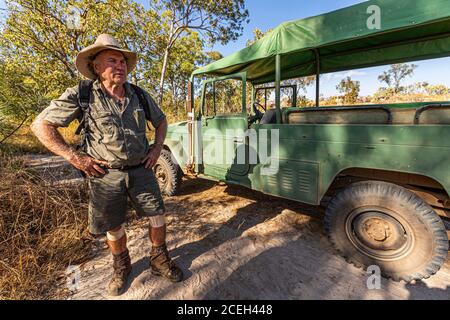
pixel 85 57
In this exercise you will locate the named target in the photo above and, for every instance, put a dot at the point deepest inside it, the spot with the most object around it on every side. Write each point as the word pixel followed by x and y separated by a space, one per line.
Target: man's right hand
pixel 90 166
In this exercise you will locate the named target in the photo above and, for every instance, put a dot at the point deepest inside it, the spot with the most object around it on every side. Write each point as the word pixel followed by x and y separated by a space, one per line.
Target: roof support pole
pixel 278 87
pixel 316 52
pixel 265 99
pixel 253 96
pixel 214 98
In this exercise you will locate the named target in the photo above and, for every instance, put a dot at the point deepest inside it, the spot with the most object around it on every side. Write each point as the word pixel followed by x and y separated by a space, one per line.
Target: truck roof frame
pixel 341 40
pixel 345 39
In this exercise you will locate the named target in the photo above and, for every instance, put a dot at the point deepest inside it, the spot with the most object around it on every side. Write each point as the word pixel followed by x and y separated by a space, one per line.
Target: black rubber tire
pixel 426 253
pixel 173 174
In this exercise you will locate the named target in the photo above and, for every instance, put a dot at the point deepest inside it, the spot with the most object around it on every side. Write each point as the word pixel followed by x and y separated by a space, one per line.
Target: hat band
pixel 92 57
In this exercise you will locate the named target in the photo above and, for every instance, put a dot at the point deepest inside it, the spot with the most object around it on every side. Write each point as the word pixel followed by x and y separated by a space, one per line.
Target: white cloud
pixel 341 75
pixel 351 73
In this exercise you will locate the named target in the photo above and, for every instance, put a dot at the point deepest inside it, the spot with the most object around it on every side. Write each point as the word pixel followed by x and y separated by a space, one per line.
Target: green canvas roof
pixel 410 30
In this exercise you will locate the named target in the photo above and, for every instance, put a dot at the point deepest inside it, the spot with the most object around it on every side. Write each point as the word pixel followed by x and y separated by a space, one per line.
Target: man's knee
pixel 116 234
pixel 157 221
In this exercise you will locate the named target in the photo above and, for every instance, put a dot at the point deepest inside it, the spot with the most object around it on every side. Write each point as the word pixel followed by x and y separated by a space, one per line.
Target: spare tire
pixel 168 173
pixel 383 224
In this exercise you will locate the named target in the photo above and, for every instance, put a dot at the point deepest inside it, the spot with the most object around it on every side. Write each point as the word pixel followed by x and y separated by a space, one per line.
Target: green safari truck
pixel 381 171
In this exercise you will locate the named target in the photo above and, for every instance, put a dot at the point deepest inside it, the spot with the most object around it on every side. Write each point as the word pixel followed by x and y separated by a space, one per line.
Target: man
pixel 117 159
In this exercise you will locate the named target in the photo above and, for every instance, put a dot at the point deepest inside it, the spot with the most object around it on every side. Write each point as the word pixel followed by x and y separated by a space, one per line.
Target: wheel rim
pixel 379 233
pixel 161 175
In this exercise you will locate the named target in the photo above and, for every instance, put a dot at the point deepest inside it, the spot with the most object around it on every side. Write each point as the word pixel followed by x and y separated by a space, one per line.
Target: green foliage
pixel 218 20
pixel 224 97
pixel 41 38
pixel 383 95
pixel 396 74
pixel 438 89
pixel 215 21
pixel 40 44
pixel 350 90
pixel 257 34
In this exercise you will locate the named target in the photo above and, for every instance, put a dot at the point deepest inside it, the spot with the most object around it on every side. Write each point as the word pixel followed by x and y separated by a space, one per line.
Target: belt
pixel 125 168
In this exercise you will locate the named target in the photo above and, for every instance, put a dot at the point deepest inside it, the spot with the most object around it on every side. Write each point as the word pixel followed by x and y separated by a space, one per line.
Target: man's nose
pixel 121 66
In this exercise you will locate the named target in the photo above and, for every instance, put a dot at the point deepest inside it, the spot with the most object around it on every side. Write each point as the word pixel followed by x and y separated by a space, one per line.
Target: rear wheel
pixel 168 173
pixel 383 224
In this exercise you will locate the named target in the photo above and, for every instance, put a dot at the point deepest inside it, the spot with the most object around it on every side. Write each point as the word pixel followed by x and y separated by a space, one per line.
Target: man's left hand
pixel 153 156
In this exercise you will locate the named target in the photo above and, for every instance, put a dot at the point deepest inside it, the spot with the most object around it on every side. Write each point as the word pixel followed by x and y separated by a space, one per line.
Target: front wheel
pixel 383 224
pixel 168 173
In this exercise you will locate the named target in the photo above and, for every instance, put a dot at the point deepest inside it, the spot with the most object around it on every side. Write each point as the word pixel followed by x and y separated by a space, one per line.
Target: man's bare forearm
pixel 50 137
pixel 160 133
pixel 155 151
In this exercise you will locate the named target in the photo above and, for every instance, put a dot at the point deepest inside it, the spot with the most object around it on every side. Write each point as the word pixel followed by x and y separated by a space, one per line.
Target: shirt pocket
pixel 139 116
pixel 105 125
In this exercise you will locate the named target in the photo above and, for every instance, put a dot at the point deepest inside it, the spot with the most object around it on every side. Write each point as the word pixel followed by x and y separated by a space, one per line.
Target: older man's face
pixel 110 65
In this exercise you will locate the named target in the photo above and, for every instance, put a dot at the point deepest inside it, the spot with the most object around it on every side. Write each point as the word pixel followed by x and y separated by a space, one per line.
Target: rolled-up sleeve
pixel 156 114
pixel 62 111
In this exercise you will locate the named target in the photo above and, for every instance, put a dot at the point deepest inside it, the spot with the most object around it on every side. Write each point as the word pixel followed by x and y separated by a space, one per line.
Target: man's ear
pixel 95 67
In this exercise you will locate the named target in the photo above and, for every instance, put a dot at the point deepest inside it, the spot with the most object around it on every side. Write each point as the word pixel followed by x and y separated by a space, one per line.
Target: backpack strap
pixel 143 102
pixel 84 100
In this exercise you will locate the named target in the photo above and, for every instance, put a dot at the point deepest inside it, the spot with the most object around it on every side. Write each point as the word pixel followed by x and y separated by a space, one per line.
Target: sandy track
pixel 235 243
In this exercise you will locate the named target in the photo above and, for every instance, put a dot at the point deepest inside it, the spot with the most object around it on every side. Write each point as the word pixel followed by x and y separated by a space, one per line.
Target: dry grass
pixel 25 142
pixel 416 97
pixel 385 99
pixel 41 232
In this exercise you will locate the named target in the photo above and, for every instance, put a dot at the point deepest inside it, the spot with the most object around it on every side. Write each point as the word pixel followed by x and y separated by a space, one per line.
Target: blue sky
pixel 267 14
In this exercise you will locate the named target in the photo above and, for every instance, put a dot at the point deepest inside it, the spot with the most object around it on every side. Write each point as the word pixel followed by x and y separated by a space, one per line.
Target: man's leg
pixel 107 213
pixel 158 235
pixel 160 262
pixel 117 242
pixel 144 191
pixel 117 246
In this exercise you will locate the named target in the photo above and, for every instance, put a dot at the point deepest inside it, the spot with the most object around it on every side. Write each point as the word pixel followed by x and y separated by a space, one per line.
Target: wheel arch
pixel 428 188
pixel 179 159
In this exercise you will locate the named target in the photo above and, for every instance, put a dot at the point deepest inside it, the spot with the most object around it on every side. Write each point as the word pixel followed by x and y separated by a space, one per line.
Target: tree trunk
pixel 165 62
pixel 163 75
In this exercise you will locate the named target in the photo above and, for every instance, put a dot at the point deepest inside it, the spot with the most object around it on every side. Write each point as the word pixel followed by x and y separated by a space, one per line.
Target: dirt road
pixel 234 243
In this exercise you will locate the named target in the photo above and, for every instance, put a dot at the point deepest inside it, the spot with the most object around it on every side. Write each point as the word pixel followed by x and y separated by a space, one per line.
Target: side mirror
pixel 189 98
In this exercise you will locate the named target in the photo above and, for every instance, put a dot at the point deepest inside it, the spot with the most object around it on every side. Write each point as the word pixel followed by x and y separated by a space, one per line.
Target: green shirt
pixel 116 133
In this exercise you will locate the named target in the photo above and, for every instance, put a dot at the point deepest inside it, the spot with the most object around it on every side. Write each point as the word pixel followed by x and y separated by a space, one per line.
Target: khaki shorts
pixel 109 193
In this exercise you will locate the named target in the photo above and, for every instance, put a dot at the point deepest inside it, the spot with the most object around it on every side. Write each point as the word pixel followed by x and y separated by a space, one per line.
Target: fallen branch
pixel 15 130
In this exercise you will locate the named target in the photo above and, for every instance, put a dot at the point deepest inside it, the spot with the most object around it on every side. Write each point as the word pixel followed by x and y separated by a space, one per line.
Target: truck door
pixel 224 148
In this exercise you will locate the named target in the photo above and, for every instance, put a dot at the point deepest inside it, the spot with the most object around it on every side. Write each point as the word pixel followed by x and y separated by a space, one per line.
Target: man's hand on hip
pixel 153 156
pixel 88 165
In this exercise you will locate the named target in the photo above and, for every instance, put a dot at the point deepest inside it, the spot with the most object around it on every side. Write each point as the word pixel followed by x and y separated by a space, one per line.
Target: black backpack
pixel 84 100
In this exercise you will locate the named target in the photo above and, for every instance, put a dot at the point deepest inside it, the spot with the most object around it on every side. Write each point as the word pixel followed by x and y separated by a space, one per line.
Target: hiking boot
pixel 122 269
pixel 162 265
